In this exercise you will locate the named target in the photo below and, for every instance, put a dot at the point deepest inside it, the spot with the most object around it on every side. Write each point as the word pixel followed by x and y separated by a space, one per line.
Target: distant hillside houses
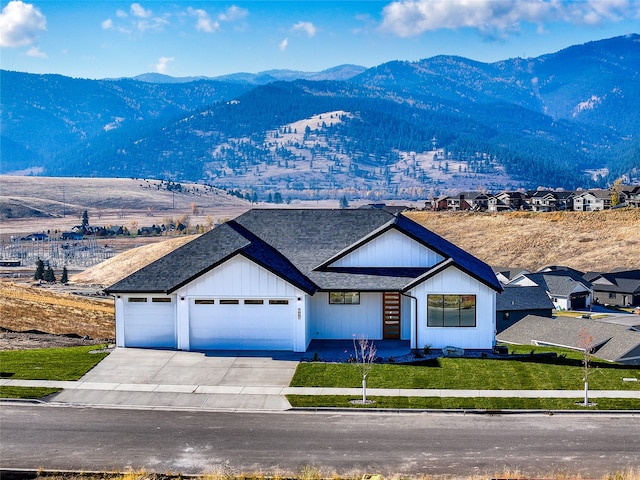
pixel 538 200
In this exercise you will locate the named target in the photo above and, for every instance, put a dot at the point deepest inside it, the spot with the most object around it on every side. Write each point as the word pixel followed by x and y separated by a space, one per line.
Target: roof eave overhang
pixel 449 262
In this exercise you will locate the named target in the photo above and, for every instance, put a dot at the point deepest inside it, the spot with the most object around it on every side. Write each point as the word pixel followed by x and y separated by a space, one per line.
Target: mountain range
pixel 398 130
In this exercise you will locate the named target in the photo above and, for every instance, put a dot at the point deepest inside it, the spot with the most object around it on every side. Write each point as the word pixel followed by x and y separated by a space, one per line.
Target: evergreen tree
pixel 344 203
pixel 277 198
pixel 64 279
pixel 39 275
pixel 49 276
pixel 85 219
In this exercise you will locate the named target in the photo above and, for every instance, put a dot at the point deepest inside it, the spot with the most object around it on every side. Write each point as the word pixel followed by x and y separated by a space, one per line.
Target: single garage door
pixel 241 323
pixel 150 322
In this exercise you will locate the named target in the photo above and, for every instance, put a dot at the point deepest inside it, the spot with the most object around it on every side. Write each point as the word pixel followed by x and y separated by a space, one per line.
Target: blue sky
pixel 106 39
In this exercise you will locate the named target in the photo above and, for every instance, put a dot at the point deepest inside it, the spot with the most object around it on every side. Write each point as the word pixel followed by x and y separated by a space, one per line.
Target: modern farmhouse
pixel 275 279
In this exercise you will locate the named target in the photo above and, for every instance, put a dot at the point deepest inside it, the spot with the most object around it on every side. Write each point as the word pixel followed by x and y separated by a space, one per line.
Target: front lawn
pixel 462 403
pixel 45 364
pixel 530 372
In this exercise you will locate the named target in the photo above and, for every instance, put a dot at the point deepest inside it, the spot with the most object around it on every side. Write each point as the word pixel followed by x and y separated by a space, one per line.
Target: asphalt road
pixel 415 443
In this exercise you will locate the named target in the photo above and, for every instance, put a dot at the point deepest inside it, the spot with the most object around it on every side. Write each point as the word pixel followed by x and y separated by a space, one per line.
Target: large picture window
pixel 451 310
pixel 342 298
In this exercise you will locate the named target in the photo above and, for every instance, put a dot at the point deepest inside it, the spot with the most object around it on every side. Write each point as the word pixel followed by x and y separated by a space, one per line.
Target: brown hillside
pixel 587 241
pixel 24 307
pixel 110 271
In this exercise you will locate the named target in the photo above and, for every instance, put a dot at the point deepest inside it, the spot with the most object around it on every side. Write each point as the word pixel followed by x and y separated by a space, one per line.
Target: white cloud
pixel 407 18
pixel 306 27
pixel 233 14
pixel 121 13
pixel 204 23
pixel 107 24
pixel 283 44
pixel 163 64
pixel 138 11
pixel 20 24
pixel 36 53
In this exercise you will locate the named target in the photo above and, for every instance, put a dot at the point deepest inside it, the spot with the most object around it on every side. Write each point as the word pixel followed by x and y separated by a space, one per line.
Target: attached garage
pixel 150 322
pixel 241 323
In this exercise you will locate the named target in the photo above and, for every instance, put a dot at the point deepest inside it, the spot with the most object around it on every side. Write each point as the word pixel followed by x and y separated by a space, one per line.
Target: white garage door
pixel 241 324
pixel 150 322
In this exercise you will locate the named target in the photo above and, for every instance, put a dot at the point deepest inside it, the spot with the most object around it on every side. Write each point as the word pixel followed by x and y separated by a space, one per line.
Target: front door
pixel 391 315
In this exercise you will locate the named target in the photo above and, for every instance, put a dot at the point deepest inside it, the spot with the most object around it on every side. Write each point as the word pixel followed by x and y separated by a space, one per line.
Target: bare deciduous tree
pixel 585 342
pixel 365 356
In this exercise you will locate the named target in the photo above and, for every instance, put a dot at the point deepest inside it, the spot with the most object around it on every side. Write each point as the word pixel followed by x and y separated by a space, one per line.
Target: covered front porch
pixel 342 350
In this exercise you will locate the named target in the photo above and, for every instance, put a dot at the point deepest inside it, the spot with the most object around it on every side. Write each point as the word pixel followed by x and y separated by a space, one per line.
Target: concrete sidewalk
pixel 256 398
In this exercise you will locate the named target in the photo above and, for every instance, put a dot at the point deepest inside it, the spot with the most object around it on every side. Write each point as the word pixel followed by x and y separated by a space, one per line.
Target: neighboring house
pixel 36 237
pixel 612 342
pixel 566 287
pixel 621 288
pixel 594 200
pixel 506 201
pixel 543 201
pixel 550 201
pixel 275 279
pixel 632 195
pixel 515 303
pixel 72 236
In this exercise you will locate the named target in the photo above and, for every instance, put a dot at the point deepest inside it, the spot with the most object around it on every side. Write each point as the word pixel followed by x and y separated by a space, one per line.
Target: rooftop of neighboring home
pixel 557 280
pixel 517 298
pixel 613 342
pixel 626 281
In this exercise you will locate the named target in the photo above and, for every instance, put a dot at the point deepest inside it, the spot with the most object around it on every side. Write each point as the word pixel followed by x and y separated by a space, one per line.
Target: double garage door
pixel 241 323
pixel 214 323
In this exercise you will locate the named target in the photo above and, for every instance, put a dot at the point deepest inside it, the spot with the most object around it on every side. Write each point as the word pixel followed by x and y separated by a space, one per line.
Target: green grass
pixel 531 372
pixel 49 363
pixel 45 364
pixel 26 392
pixel 478 403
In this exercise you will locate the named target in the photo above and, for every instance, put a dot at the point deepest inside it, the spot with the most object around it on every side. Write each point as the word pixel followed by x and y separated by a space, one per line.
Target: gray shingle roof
pixel 615 341
pixel 294 244
pixel 559 283
pixel 514 298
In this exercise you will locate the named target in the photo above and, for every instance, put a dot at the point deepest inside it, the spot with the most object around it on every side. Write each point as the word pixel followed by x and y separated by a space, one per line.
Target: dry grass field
pixel 25 307
pixel 587 241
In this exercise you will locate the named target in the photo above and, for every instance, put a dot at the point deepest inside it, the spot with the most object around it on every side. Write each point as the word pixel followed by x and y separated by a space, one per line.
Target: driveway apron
pixel 131 377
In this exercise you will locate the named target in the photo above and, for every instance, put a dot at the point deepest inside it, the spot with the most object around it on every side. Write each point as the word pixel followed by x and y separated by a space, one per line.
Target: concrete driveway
pixel 166 378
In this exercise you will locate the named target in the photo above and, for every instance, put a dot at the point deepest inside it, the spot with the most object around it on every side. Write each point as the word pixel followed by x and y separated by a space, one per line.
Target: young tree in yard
pixel 49 276
pixel 39 275
pixel 585 342
pixel 85 219
pixel 64 279
pixel 365 355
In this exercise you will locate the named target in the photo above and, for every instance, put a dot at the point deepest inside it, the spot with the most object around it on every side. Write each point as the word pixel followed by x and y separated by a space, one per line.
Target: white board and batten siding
pixel 452 281
pixel 390 249
pixel 240 305
pixel 149 321
pixel 332 321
